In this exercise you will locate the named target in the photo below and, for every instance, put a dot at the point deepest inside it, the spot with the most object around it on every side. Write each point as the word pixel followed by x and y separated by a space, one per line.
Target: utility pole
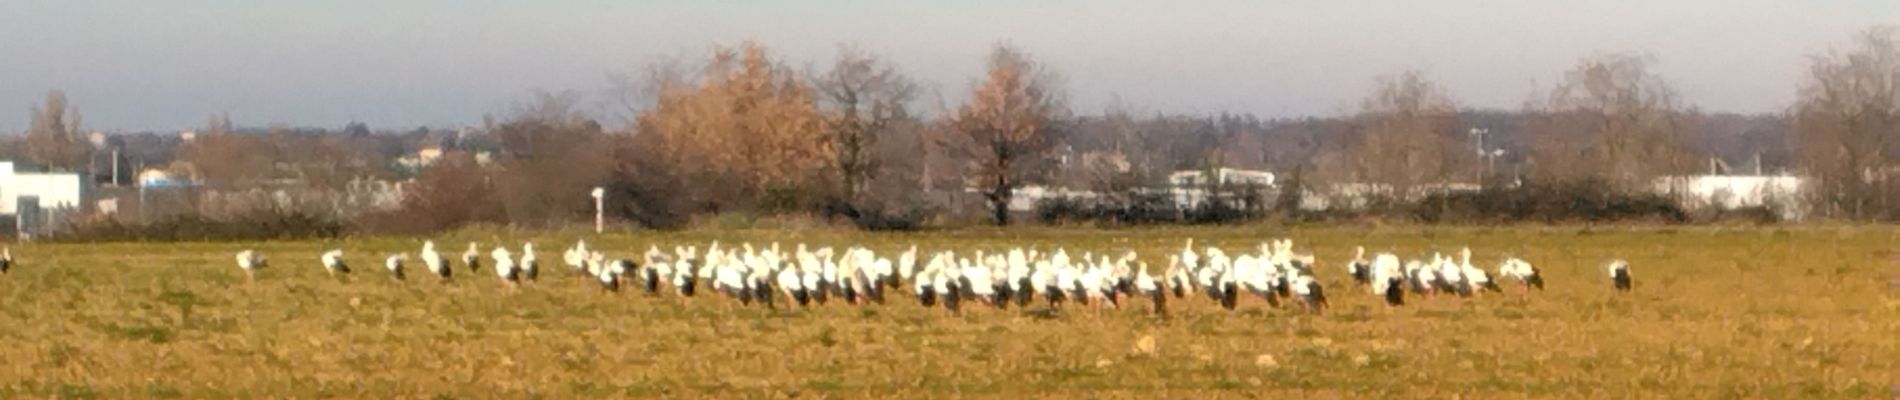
pixel 600 219
pixel 1483 156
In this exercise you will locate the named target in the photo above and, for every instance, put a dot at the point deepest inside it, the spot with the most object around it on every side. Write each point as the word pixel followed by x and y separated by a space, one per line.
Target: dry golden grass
pixel 1772 313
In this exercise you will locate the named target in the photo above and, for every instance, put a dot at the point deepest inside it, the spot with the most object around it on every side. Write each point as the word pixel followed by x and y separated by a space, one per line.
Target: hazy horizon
pixel 132 65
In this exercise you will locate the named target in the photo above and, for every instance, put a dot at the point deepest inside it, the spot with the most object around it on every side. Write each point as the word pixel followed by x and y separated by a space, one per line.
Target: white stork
pixel 854 279
pixel 1178 278
pixel 976 281
pixel 1208 279
pixel 576 257
pixel 394 264
pixel 809 277
pixel 659 267
pixel 1620 275
pixel 947 283
pixel 1359 267
pixel 759 280
pixel 6 259
pixel 1252 273
pixel 250 262
pixel 1123 275
pixel 1226 287
pixel 594 263
pixel 333 262
pixel 1522 272
pixel 608 282
pixel 729 278
pixel 881 272
pixel 1042 278
pixel 1474 276
pixel 1189 260
pixel 505 266
pixel 828 272
pixel 1309 292
pixel 683 282
pixel 1450 276
pixel 792 284
pixel 530 266
pixel 1150 287
pixel 1063 281
pixel 1069 279
pixel 884 276
pixel 472 257
pixel 907 264
pixel 1421 277
pixel 709 269
pixel 1389 279
pixel 1018 274
pixel 924 284
pixel 618 270
pixel 437 265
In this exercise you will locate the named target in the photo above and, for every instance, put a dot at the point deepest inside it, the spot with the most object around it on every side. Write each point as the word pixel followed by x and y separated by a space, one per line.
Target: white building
pixel 1782 193
pixel 1359 195
pixel 1189 188
pixel 158 178
pixel 43 190
pixel 422 158
pixel 1228 176
pixel 39 202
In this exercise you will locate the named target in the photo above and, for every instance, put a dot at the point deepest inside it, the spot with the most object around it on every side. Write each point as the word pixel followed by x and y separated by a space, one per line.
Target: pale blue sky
pixel 166 64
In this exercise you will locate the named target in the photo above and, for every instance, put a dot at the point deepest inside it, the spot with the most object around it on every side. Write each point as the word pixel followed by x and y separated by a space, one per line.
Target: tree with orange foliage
pixel 1008 126
pixel 746 126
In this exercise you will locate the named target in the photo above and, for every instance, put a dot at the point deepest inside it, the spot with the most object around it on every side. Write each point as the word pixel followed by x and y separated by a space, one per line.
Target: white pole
pixel 600 220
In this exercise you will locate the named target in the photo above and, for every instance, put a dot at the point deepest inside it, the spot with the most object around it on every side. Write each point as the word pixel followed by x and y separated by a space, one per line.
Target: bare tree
pixel 550 156
pixel 54 139
pixel 313 159
pixel 1611 119
pixel 861 99
pixel 218 124
pixel 1008 125
pixel 1847 124
pixel 452 192
pixel 1120 161
pixel 1407 137
pixel 230 160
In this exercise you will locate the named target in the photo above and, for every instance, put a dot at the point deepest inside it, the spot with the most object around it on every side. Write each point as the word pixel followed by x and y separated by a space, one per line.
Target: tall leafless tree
pixel 1407 137
pixel 550 156
pixel 861 99
pixel 1847 125
pixel 54 139
pixel 1612 119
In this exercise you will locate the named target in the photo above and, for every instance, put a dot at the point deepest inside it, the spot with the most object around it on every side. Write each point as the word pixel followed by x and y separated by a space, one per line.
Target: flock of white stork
pixel 1275 274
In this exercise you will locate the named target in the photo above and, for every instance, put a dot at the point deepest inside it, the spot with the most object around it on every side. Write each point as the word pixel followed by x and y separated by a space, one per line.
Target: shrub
pixel 1137 208
pixel 873 219
pixel 1570 201
pixel 248 226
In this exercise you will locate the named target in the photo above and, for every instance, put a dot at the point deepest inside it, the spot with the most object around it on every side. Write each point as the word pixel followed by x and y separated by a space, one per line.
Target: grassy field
pixel 1768 313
